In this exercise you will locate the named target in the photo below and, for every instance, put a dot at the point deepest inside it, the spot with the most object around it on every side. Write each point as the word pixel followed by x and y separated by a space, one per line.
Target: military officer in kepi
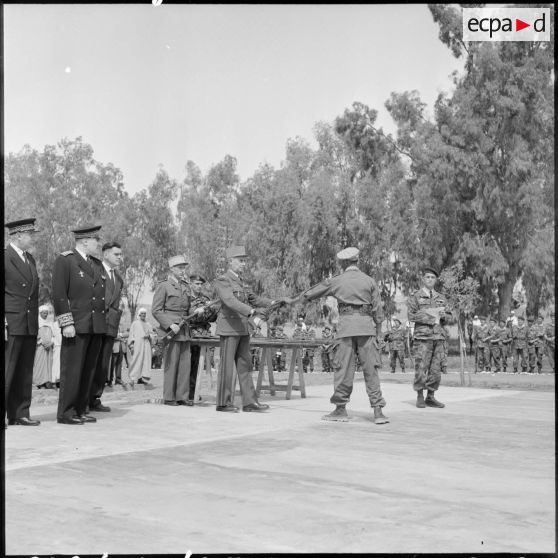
pixel 21 310
pixel 238 304
pixel 78 289
pixel 171 303
pixel 358 331
pixel 427 309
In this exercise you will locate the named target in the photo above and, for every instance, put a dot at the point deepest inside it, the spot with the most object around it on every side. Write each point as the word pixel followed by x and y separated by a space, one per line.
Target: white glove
pixel 69 331
pixel 258 321
pixel 199 310
pixel 175 328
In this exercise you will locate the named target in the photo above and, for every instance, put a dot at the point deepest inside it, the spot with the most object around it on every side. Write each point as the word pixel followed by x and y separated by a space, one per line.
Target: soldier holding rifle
pixel 171 302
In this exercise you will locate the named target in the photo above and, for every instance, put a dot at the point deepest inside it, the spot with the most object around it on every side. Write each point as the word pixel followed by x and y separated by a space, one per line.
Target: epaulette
pixel 66 253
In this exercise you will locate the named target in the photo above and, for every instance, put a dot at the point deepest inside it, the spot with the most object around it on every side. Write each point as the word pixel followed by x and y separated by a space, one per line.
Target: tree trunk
pixel 505 291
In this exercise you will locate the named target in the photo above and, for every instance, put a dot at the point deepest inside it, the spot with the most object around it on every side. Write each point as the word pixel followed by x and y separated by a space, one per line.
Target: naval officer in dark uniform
pixel 21 307
pixel 78 288
pixel 358 333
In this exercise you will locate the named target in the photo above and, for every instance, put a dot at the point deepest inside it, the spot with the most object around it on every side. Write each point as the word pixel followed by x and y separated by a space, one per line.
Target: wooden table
pixel 267 345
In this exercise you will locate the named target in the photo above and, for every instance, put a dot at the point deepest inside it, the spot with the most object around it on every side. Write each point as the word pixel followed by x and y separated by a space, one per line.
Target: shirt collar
pixel 18 250
pixel 352 267
pixel 84 256
pixel 107 267
pixel 235 275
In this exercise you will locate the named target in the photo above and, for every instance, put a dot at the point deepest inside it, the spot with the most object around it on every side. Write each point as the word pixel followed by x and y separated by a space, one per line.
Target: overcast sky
pixel 149 85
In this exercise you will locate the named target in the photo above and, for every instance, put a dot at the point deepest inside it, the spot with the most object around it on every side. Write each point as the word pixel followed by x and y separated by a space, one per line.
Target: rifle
pixel 184 320
pixel 264 313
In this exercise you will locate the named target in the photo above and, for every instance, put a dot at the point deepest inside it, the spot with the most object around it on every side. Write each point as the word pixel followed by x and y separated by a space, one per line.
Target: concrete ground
pixel 477 476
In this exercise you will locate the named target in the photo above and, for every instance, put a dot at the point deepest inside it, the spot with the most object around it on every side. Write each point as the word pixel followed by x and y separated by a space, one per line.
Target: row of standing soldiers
pixel 496 341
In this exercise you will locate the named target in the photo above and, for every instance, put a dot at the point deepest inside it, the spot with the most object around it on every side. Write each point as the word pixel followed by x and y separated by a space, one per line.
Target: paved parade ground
pixel 477 476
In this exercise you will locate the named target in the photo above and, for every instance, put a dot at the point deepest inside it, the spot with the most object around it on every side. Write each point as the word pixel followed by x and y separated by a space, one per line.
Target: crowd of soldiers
pixel 86 294
pixel 495 341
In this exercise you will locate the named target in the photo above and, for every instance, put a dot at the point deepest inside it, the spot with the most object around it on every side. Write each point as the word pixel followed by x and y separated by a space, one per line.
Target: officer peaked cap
pixel 177 260
pixel 430 269
pixel 197 277
pixel 349 254
pixel 23 225
pixel 236 252
pixel 87 232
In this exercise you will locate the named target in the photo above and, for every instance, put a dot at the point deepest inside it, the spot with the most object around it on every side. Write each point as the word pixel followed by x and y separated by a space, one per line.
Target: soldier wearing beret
pixel 359 330
pixel 427 309
pixel 549 338
pixel 200 326
pixel 171 303
pixel 238 304
pixel 501 338
pixel 519 336
pixel 21 308
pixel 78 288
pixel 396 339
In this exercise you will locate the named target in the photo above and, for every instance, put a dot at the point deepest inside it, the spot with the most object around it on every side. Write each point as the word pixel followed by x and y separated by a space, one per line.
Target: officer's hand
pixel 199 311
pixel 258 321
pixel 174 328
pixel 69 331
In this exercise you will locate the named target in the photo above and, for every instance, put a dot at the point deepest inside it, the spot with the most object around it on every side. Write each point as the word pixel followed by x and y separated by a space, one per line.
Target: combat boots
pixel 431 401
pixel 420 400
pixel 379 417
pixel 339 414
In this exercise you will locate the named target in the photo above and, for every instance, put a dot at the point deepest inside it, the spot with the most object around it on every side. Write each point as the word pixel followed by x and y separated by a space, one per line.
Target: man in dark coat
pixel 21 307
pixel 112 259
pixel 78 288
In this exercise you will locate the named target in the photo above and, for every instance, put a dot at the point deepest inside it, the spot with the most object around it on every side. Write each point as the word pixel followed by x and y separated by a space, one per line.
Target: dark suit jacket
pixel 112 302
pixel 21 294
pixel 78 290
pixel 237 303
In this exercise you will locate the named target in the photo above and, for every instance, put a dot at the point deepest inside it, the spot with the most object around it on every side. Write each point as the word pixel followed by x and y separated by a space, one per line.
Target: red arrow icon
pixel 519 25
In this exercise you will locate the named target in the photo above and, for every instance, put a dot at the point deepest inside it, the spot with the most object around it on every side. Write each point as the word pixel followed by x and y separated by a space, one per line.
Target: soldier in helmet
pixel 427 308
pixel 359 330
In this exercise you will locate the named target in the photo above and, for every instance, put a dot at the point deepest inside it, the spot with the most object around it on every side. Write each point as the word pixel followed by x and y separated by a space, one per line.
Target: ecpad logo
pixel 506 24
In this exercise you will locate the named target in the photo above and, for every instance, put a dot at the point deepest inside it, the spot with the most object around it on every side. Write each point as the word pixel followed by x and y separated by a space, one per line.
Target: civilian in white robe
pixel 140 341
pixel 42 367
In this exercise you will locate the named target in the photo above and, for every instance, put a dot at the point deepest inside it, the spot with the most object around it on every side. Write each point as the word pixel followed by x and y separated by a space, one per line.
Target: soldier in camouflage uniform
pixel 499 345
pixel 493 348
pixel 256 352
pixel 519 336
pixel 535 343
pixel 308 353
pixel 200 326
pixel 426 308
pixel 444 363
pixel 549 336
pixel 325 349
pixel 396 340
pixel 482 342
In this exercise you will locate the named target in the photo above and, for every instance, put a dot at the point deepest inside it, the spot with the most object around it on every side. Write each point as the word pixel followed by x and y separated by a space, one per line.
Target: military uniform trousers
pixel 535 357
pixel 176 371
pixel 397 354
pixel 115 374
pixel 307 360
pixel 344 356
pixel 235 350
pixel 499 354
pixel 520 352
pixel 20 355
pixel 483 358
pixel 78 361
pixel 326 360
pixel 195 352
pixel 102 371
pixel 428 355
pixel 550 354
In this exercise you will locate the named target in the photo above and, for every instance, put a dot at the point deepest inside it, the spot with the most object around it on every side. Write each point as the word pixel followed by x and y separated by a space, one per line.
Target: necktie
pixel 112 277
